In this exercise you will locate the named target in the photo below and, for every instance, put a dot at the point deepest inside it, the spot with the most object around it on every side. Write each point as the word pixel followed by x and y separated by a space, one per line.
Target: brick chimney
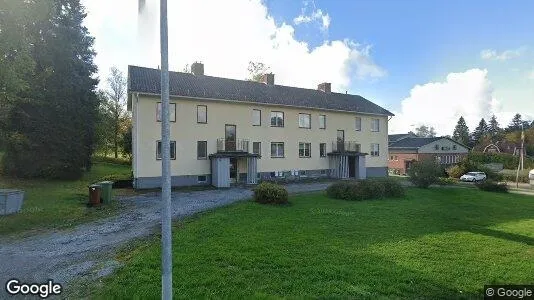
pixel 268 78
pixel 197 68
pixel 325 87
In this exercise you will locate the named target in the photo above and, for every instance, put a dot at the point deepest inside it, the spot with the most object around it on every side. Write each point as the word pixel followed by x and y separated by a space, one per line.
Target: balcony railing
pixel 234 145
pixel 345 146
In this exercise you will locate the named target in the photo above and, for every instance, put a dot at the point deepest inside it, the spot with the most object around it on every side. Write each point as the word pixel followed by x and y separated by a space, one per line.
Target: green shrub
pixel 267 192
pixel 491 186
pixel 115 177
pixel 365 189
pixel 340 190
pixel 424 173
pixel 446 181
pixel 490 174
pixel 392 188
pixel 508 160
pixel 455 171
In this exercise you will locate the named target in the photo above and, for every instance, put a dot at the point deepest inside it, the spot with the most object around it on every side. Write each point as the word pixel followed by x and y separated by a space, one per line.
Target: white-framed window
pixel 454 147
pixel 436 147
pixel 358 123
pixel 304 149
pixel 322 150
pixel 172 112
pixel 375 125
pixel 375 149
pixel 202 150
pixel 322 121
pixel 202 114
pixel 256 117
pixel 277 149
pixel 202 179
pixel 256 148
pixel 277 119
pixel 304 121
pixel 158 150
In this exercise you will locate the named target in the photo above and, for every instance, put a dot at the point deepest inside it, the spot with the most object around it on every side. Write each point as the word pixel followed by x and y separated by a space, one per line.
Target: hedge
pixel 491 186
pixel 508 160
pixel 365 189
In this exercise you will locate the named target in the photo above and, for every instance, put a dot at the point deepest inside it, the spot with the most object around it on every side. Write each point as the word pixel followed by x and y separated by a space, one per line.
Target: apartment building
pixel 226 131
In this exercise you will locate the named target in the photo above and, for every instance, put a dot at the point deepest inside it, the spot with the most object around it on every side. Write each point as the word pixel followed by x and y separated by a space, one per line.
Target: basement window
pixel 202 179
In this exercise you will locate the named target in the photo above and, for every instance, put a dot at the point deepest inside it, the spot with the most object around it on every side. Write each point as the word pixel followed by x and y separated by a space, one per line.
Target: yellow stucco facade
pixel 186 132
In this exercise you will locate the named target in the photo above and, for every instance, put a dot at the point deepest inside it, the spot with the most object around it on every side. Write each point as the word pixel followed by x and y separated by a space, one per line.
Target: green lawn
pixel 437 243
pixel 53 204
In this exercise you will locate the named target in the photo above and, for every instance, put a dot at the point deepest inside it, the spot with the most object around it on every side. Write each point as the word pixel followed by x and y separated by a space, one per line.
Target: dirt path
pixel 89 249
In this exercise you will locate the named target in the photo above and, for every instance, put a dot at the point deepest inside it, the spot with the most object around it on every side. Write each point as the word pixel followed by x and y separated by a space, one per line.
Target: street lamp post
pixel 166 238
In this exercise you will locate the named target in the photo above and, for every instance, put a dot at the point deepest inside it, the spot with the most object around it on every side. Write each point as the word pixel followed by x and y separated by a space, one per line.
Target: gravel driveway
pixel 89 249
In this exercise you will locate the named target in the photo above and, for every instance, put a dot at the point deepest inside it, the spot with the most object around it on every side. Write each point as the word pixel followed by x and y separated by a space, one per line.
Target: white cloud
pixel 490 54
pixel 316 15
pixel 225 36
pixel 440 104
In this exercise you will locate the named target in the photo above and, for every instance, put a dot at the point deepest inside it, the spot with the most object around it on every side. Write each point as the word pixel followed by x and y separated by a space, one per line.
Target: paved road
pixel 89 249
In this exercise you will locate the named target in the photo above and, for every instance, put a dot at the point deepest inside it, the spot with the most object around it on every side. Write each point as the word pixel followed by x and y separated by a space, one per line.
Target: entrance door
pixel 229 138
pixel 352 166
pixel 341 140
pixel 233 170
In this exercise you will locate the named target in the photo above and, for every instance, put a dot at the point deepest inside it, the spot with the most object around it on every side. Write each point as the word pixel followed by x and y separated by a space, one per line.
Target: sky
pixel 428 62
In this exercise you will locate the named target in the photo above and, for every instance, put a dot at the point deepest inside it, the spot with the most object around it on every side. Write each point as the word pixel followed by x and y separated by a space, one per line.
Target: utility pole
pixel 520 166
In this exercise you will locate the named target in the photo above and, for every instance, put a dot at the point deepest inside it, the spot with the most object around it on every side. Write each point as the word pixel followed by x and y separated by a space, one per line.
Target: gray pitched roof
pixel 147 80
pixel 395 137
pixel 413 142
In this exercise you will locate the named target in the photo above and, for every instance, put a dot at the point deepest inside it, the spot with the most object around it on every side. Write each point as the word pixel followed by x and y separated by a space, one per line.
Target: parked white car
pixel 473 176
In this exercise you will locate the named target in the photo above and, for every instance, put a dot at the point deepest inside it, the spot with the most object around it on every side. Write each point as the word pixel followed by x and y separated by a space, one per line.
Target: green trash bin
pixel 106 187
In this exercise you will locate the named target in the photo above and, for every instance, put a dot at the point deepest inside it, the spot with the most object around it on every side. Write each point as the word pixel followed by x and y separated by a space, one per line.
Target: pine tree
pixel 516 123
pixel 481 131
pixel 494 130
pixel 52 129
pixel 461 132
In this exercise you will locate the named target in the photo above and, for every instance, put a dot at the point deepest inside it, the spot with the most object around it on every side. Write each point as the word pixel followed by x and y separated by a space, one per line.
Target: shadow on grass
pixel 503 235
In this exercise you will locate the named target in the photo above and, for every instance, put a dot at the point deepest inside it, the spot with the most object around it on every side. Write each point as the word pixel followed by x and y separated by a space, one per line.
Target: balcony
pixel 345 146
pixel 233 145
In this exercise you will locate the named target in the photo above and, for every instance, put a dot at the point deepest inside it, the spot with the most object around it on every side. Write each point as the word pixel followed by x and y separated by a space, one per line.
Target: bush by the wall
pixel 376 188
pixel 424 173
pixel 491 186
pixel 267 192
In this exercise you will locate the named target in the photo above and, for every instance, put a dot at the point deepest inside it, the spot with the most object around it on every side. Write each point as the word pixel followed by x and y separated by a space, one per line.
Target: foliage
pixel 111 160
pixel 461 132
pixel 425 172
pixel 267 192
pixel 446 181
pixel 494 130
pixel 425 131
pixel 508 160
pixel 511 175
pixel 516 123
pixel 469 165
pixel 50 122
pixel 265 252
pixel 257 70
pixel 479 132
pixel 365 189
pixel 492 186
pixel 126 141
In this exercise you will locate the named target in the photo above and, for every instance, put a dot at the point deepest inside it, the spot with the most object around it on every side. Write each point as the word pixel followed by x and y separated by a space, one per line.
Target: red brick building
pixel 404 149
